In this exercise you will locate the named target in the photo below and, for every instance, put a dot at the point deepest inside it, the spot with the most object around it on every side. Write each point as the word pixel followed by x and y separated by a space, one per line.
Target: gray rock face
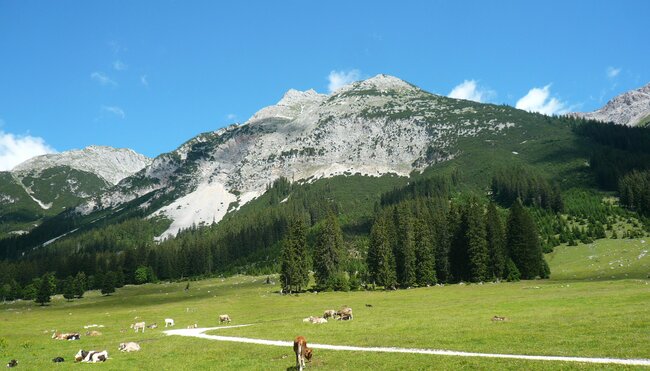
pixel 373 127
pixel 111 164
pixel 631 109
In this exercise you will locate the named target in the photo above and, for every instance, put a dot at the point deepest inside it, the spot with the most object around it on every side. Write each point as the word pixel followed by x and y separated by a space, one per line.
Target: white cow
pixel 129 347
pixel 169 322
pixel 92 356
pixel 138 325
pixel 224 318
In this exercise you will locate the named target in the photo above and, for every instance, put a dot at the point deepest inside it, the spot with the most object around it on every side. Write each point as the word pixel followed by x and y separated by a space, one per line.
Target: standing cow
pixel 302 351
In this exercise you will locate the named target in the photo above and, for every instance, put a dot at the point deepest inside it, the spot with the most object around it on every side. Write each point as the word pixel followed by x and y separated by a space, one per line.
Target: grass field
pixel 579 312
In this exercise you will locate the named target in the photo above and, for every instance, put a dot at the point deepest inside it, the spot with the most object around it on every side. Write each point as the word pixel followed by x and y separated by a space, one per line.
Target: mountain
pixel 631 108
pixel 49 184
pixel 379 126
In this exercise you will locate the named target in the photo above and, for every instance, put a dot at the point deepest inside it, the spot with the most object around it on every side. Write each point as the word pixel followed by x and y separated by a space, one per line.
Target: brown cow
pixel 302 351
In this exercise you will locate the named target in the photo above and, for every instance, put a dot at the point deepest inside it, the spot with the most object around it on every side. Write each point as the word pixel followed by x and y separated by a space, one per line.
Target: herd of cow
pixel 300 348
pixel 93 356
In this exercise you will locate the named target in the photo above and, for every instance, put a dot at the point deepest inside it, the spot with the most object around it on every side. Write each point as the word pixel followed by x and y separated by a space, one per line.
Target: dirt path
pixel 200 333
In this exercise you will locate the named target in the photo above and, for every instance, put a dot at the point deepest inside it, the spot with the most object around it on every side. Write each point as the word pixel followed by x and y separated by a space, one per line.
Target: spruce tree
pixel 294 270
pixel 108 287
pixel 68 288
pixel 405 249
pixel 328 252
pixel 425 254
pixel 80 284
pixel 458 254
pixel 381 261
pixel 522 241
pixel 441 247
pixel 44 293
pixel 496 242
pixel 477 250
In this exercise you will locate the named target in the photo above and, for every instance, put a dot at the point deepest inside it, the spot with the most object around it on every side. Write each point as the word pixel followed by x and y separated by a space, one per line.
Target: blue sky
pixel 149 75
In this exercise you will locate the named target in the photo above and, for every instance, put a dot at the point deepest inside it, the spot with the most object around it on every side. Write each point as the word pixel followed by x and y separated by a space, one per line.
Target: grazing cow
pixel 12 363
pixel 302 351
pixel 137 326
pixel 345 314
pixel 152 326
pixel 368 305
pixel 193 326
pixel 58 359
pixel 224 318
pixel 129 347
pixel 330 313
pixel 169 322
pixel 499 319
pixel 92 356
pixel 93 333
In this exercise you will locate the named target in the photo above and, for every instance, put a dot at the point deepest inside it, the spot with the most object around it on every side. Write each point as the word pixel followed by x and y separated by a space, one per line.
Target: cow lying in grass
pixel 316 320
pixel 345 314
pixel 93 333
pixel 92 356
pixel 302 351
pixel 137 326
pixel 499 319
pixel 193 326
pixel 129 347
pixel 330 313
pixel 66 336
pixel 224 318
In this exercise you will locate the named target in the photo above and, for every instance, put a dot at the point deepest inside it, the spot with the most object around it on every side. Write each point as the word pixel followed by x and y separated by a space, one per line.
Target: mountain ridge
pixel 631 108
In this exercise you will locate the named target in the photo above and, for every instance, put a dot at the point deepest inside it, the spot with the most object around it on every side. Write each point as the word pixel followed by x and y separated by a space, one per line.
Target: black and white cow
pixel 91 356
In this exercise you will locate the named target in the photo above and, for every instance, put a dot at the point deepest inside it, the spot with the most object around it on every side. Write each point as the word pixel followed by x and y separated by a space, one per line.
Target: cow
pixel 152 326
pixel 224 318
pixel 137 326
pixel 302 351
pixel 318 320
pixel 58 359
pixel 66 336
pixel 12 363
pixel 330 313
pixel 499 319
pixel 93 333
pixel 92 356
pixel 129 347
pixel 345 314
pixel 193 326
pixel 169 322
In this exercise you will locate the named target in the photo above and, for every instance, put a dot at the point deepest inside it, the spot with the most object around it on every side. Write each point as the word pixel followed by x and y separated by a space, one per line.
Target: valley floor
pixel 581 316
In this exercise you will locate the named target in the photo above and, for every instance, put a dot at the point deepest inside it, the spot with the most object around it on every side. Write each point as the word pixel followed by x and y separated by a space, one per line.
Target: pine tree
pixel 80 284
pixel 381 261
pixel 294 270
pixel 522 241
pixel 442 247
pixel 328 251
pixel 496 242
pixel 425 254
pixel 44 293
pixel 477 250
pixel 68 288
pixel 404 248
pixel 108 286
pixel 458 254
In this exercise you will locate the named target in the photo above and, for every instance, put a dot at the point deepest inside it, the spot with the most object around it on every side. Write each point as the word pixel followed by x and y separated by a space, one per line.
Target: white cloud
pixel 144 81
pixel 118 65
pixel 540 100
pixel 612 72
pixel 470 90
pixel 115 110
pixel 102 79
pixel 338 79
pixel 15 149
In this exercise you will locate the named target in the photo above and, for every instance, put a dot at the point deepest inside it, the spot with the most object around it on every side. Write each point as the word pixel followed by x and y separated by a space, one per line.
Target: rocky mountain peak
pixel 111 164
pixel 631 108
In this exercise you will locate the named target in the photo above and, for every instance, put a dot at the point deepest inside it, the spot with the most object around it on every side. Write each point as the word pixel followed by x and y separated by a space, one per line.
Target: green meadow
pixel 588 308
